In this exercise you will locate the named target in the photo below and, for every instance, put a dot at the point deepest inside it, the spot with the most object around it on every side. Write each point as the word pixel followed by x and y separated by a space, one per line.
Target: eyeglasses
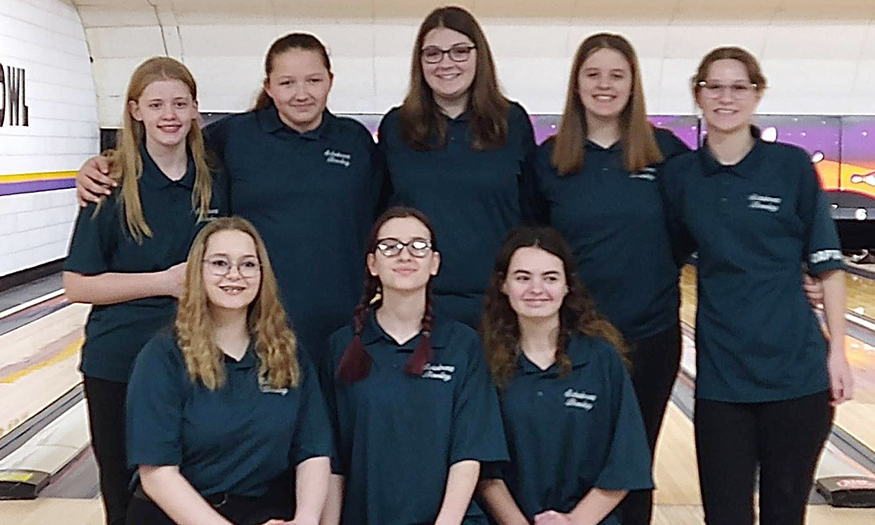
pixel 737 90
pixel 248 267
pixel 457 53
pixel 416 247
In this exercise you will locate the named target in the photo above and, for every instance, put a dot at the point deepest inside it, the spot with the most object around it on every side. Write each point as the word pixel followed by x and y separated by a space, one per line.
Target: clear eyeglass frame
pixel 416 247
pixel 247 267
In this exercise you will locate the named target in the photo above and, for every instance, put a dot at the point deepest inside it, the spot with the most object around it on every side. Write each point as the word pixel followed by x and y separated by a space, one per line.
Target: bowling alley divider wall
pixel 48 127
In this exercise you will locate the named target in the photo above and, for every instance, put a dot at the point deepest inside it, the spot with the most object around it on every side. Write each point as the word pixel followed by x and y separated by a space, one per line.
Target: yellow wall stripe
pixel 32 177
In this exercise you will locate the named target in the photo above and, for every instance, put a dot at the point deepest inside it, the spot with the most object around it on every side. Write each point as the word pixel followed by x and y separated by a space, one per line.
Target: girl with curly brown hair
pixel 574 431
pixel 221 410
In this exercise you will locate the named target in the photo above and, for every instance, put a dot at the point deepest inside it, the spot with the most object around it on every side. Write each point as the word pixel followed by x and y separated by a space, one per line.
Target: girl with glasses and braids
pixel 461 152
pixel 412 405
pixel 574 431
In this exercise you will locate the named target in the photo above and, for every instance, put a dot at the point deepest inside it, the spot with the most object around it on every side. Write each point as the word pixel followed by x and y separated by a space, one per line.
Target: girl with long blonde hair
pixel 222 408
pixel 126 255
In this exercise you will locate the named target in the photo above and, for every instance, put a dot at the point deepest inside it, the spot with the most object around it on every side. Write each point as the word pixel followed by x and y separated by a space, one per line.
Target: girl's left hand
pixel 841 378
pixel 551 517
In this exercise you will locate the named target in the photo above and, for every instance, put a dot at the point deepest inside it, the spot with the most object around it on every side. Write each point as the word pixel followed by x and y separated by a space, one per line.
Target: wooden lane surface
pixel 675 475
pixel 856 417
pixel 817 515
pixel 38 364
pixel 861 295
pixel 43 511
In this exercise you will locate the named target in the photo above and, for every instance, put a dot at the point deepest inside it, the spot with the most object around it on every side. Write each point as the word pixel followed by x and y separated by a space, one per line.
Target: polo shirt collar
pixel 577 352
pixel 372 333
pixel 154 178
pixel 746 167
pixel 590 145
pixel 269 119
pixel 249 359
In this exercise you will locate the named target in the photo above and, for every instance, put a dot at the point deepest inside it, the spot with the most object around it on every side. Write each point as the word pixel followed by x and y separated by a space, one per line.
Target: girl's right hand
pixel 93 181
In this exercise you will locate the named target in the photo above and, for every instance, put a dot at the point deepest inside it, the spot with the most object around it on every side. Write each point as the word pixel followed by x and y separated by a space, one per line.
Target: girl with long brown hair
pixel 223 407
pixel 574 431
pixel 309 181
pixel 461 152
pixel 767 380
pixel 597 183
pixel 413 408
pixel 127 253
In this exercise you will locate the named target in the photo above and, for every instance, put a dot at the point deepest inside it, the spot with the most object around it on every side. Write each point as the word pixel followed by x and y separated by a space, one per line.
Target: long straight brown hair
pixel 126 164
pixel 637 138
pixel 421 122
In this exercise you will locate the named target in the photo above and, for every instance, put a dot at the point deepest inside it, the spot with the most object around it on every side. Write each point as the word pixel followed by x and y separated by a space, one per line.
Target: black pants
pixel 655 361
pixel 237 510
pixel 783 438
pixel 106 419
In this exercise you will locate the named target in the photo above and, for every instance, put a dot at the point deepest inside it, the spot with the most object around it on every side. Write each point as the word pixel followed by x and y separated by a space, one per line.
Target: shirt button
pixel 540 393
pixel 604 169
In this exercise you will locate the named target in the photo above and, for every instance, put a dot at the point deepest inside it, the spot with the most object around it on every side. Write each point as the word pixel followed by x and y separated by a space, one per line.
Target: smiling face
pixel 407 270
pixel 535 284
pixel 449 80
pixel 299 84
pixel 604 84
pixel 728 98
pixel 167 111
pixel 231 270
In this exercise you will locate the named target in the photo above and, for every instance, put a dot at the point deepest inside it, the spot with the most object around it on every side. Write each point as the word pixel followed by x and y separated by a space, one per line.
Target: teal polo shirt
pixel 115 333
pixel 567 435
pixel 755 224
pixel 313 197
pixel 397 434
pixel 615 224
pixel 236 439
pixel 473 198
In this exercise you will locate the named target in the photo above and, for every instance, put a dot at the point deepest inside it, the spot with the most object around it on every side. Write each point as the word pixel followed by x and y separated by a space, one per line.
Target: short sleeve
pixel 155 400
pixel 531 205
pixel 822 251
pixel 95 237
pixel 627 465
pixel 670 185
pixel 312 430
pixel 669 144
pixel 478 431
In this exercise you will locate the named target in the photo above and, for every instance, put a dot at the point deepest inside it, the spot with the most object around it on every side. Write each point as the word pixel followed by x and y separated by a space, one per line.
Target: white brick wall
pixel 46 38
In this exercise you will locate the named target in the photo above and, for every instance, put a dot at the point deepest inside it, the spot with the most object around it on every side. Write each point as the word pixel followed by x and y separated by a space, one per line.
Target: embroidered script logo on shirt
pixel 440 372
pixel 265 388
pixel 580 399
pixel 337 157
pixel 646 173
pixel 212 214
pixel 762 202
